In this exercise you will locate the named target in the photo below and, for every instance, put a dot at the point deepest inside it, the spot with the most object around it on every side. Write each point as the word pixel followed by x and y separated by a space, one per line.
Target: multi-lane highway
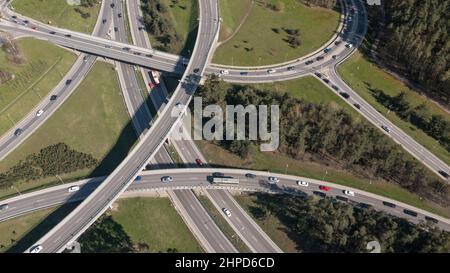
pixel 200 178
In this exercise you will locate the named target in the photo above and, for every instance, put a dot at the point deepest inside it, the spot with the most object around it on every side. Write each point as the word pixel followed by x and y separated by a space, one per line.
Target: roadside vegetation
pixel 324 225
pixel 93 124
pixel 274 32
pixel 419 117
pixel 326 134
pixel 60 14
pixel 172 24
pixel 140 225
pixel 29 70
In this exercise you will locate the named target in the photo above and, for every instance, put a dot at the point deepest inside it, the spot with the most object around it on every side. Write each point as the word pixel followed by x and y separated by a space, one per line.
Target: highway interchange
pixel 90 209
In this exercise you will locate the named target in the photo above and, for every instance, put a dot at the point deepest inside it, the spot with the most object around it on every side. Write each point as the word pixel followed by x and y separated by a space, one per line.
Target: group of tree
pixel 49 161
pixel 326 225
pixel 415 42
pixel 157 22
pixel 330 134
pixel 436 126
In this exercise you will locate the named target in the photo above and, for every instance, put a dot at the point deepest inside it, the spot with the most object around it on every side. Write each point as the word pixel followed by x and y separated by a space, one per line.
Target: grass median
pixel 264 37
pixel 44 66
pixel 60 14
pixel 93 120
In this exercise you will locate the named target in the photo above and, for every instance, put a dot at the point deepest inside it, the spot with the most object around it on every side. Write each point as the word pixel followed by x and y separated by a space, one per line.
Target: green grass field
pixel 271 225
pixel 17 234
pixel 44 68
pixel 58 13
pixel 183 16
pixel 155 222
pixel 232 13
pixel 363 76
pixel 93 120
pixel 256 43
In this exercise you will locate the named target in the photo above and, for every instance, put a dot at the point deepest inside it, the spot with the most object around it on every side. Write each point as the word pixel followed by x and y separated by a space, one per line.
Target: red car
pixel 324 188
pixel 199 162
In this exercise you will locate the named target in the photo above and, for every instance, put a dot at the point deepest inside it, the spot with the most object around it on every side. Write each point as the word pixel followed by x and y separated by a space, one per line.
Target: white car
pixel 349 193
pixel 384 127
pixel 36 249
pixel 273 179
pixel 349 45
pixel 166 179
pixel 270 71
pixel 302 183
pixel 224 72
pixel 39 113
pixel 227 212
pixel 74 188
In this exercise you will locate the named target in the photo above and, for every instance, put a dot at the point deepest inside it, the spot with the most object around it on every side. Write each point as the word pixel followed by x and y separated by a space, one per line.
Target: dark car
pixel 218 174
pixel 199 162
pixel 319 58
pixel 52 32
pixel 334 56
pixel 4 207
pixel 53 97
pixel 335 87
pixel 344 95
pixel 290 68
pixel 444 174
pixel 319 193
pixel 26 21
pixel 18 132
pixel 14 17
pixel 196 70
pixel 136 53
pixel 250 175
pixel 357 106
pixel 326 80
pixel 149 55
pixel 341 198
pixel 140 27
pixel 119 15
pixel 104 21
pixel 364 205
pixel 116 28
pixel 309 62
pixel 68 35
pixel 410 212
pixel 68 82
pixel 431 219
pixel 126 48
pixel 389 204
pixel 327 50
pixel 138 178
pixel 318 74
pixel 337 42
pixel 112 5
pixel 244 73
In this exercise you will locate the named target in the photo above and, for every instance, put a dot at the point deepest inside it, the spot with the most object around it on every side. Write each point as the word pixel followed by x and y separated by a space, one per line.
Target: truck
pixel 225 180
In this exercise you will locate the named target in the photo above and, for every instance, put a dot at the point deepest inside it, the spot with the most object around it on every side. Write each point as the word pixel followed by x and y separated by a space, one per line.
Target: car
pixel 199 162
pixel 290 68
pixel 112 5
pixel 53 97
pixel 69 81
pixel 273 179
pixel 319 58
pixel 326 50
pixel 334 57
pixel 319 75
pixel 126 48
pixel 309 62
pixel 335 87
pixel 319 193
pixel 302 183
pixel 138 178
pixel 137 53
pixel 385 128
pixel 227 212
pixel 224 72
pixel 196 70
pixel 4 207
pixel 364 205
pixel 73 189
pixel 431 219
pixel 344 95
pixel 389 204
pixel 341 198
pixel 68 35
pixel 149 55
pixel 119 15
pixel 116 29
pixel 14 17
pixel 349 193
pixel 337 43
pixel 39 113
pixel 244 73
pixel 348 45
pixel 140 27
pixel 326 80
pixel 271 71
pixel 357 106
pixel 410 212
pixel 107 46
pixel 218 174
pixel 36 249
pixel 52 32
pixel 444 174
pixel 34 27
pixel 26 21
pixel 104 21
pixel 18 132
pixel 324 188
pixel 166 179
pixel 250 175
